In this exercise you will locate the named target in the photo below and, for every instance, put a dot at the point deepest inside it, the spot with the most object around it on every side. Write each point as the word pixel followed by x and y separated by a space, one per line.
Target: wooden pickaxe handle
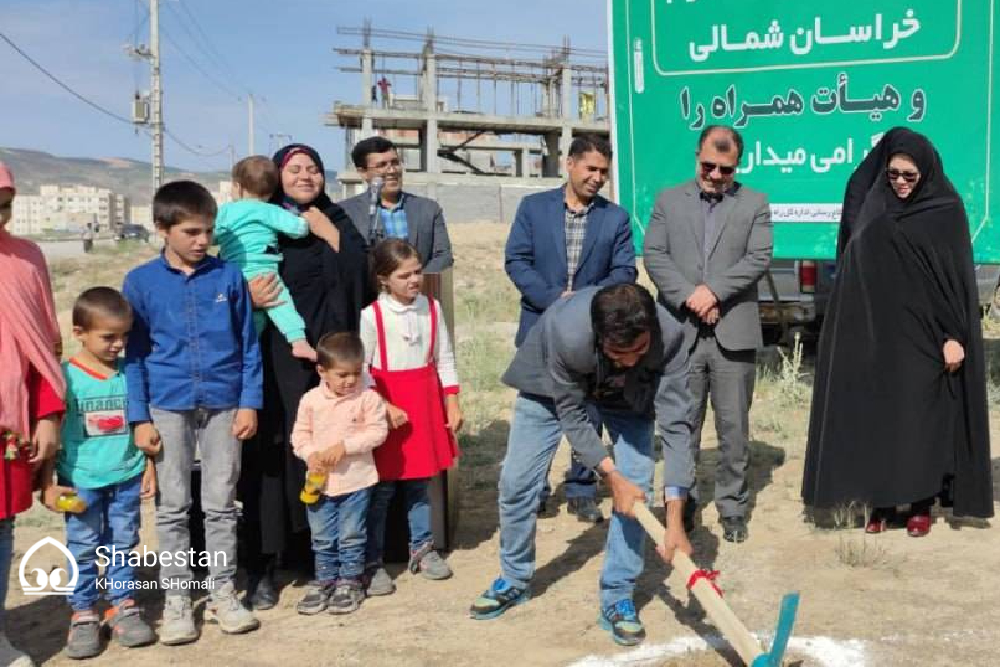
pixel 731 628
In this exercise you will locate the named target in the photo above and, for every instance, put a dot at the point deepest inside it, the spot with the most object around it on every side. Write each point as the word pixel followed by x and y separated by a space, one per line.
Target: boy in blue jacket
pixel 193 368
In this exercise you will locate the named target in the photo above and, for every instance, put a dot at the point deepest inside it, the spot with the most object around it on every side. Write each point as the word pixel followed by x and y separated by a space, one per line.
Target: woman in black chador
pixel 899 406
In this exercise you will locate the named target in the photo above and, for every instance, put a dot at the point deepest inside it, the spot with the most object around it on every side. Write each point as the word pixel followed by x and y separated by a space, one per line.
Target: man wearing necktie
pixel 708 242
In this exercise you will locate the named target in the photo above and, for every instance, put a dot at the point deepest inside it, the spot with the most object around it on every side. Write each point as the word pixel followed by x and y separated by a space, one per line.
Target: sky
pixel 215 52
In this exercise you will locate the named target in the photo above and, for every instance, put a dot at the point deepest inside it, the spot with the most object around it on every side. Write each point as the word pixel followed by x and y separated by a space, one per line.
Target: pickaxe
pixel 701 584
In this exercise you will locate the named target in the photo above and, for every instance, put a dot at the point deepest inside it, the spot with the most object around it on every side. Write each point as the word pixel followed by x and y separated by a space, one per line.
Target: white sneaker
pixel 178 621
pixel 226 609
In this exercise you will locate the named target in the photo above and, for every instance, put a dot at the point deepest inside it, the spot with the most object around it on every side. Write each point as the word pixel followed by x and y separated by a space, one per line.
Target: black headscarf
pixel 889 424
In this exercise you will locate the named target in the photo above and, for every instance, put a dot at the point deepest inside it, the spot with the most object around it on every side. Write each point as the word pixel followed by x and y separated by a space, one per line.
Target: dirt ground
pixel 882 601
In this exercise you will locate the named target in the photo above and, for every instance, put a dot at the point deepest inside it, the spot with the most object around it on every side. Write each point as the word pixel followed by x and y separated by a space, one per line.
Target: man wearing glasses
pixel 708 242
pixel 384 210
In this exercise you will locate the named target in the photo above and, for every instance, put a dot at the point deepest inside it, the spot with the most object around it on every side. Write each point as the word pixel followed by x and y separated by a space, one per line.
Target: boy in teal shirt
pixel 247 233
pixel 100 462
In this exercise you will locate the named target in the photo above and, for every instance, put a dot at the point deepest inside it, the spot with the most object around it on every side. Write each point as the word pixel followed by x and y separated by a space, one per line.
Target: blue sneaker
pixel 500 597
pixel 623 622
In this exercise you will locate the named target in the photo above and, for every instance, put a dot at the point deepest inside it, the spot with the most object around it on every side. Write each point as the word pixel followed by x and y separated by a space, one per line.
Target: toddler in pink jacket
pixel 338 425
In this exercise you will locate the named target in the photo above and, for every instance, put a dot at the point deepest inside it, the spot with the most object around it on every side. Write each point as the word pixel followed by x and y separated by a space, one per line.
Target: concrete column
pixel 431 145
pixel 567 93
pixel 565 139
pixel 366 77
pixel 367 127
pixel 524 163
pixel 430 82
pixel 550 163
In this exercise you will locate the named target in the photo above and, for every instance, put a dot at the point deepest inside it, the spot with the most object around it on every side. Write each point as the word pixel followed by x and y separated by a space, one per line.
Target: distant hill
pixel 130 177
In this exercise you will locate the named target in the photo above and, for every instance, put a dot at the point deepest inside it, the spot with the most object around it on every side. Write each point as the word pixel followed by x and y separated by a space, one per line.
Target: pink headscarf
pixel 6 178
pixel 29 332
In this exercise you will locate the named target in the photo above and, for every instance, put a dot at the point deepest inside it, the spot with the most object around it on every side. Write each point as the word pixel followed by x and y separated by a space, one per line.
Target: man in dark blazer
pixel 396 214
pixel 564 240
pixel 614 350
pixel 708 242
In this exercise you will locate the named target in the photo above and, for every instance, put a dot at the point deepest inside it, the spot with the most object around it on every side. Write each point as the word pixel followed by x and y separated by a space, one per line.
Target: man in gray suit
pixel 392 213
pixel 708 242
pixel 615 349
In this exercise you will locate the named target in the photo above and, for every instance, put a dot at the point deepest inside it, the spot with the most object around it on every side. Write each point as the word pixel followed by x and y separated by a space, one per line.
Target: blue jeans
pixel 418 515
pixel 338 532
pixel 6 553
pixel 580 481
pixel 110 520
pixel 534 436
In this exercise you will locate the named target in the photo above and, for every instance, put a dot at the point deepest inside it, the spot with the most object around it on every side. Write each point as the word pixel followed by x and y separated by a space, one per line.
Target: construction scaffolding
pixel 475 107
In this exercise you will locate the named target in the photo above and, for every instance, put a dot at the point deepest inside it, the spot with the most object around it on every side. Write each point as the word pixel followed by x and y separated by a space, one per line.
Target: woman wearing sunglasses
pixel 899 411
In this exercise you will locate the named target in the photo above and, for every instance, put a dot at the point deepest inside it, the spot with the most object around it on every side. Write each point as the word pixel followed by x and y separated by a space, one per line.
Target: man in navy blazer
pixel 563 240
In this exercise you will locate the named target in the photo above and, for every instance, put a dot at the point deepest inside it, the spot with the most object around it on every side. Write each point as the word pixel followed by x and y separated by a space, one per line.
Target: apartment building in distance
pixel 69 208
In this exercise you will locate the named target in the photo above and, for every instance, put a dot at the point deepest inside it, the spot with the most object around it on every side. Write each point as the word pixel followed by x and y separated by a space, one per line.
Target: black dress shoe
pixel 585 509
pixel 262 594
pixel 734 529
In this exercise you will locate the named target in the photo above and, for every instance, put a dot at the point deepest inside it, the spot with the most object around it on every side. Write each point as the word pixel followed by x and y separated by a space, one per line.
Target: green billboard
pixel 811 85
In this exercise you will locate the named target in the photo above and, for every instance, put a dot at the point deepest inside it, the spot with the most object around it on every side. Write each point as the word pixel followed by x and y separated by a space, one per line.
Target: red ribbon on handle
pixel 708 575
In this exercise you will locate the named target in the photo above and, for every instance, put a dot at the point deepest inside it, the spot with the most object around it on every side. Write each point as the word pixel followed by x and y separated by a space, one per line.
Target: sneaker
pixel 347 597
pixel 500 597
pixel 178 621
pixel 10 656
pixel 127 625
pixel 623 622
pixel 585 509
pixel 379 582
pixel 734 529
pixel 84 639
pixel 316 599
pixel 429 563
pixel 226 609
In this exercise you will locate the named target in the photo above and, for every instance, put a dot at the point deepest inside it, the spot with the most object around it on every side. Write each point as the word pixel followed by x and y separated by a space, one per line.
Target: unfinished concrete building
pixel 476 130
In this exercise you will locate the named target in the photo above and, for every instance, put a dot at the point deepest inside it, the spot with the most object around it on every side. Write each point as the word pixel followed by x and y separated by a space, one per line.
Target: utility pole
pixel 157 101
pixel 148 109
pixel 250 124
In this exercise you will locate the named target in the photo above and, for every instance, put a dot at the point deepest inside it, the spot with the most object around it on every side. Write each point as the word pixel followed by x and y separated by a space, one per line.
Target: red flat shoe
pixel 876 525
pixel 918 525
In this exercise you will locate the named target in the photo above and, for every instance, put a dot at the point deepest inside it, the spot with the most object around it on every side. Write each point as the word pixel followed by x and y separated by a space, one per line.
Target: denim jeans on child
pixel 6 553
pixel 535 433
pixel 212 431
pixel 110 520
pixel 339 534
pixel 418 514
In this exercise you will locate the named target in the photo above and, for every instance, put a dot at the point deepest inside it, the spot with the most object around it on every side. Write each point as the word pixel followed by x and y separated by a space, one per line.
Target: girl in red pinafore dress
pixel 413 367
pixel 31 385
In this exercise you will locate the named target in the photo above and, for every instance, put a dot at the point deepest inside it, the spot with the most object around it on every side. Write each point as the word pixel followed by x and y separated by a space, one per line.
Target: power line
pixel 194 151
pixel 62 85
pixel 98 107
pixel 205 44
pixel 198 67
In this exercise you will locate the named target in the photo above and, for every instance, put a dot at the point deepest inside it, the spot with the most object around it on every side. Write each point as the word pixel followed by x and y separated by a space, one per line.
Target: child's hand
pixel 51 493
pixel 321 226
pixel 396 416
pixel 148 489
pixel 314 463
pixel 455 418
pixel 44 441
pixel 331 456
pixel 245 424
pixel 147 438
